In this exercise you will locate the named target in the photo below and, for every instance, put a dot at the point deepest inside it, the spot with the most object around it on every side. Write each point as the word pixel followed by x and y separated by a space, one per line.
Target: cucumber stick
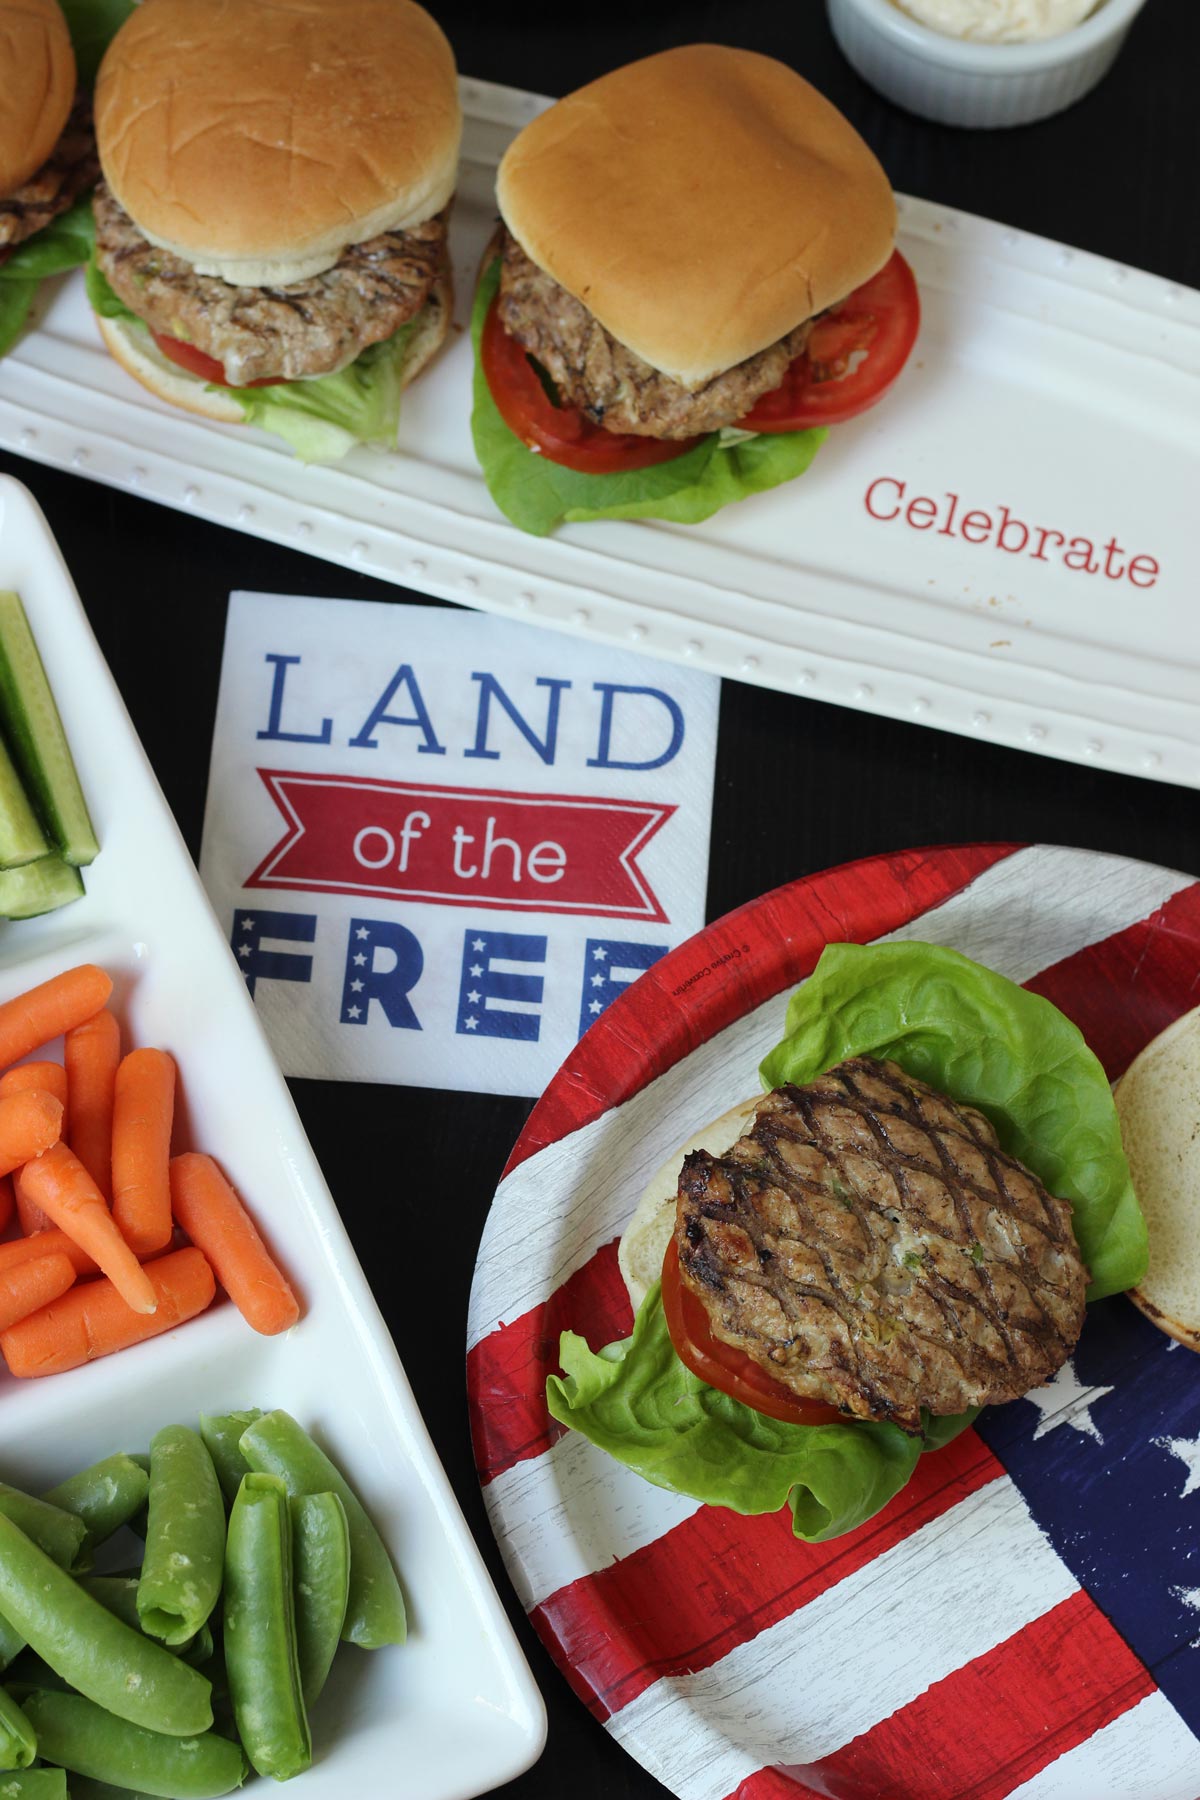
pixel 38 887
pixel 37 740
pixel 22 839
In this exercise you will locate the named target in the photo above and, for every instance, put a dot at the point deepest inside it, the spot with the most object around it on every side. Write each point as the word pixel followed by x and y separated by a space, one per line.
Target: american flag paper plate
pixel 1024 1618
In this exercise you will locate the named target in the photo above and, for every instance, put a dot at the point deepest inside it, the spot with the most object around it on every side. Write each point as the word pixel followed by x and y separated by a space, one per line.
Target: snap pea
pixel 185 1538
pixel 132 1676
pixel 321 1555
pixel 54 1531
pixel 18 1743
pixel 221 1432
pixel 105 1497
pixel 84 1788
pixel 276 1445
pixel 39 1784
pixel 261 1658
pixel 118 1595
pixel 89 1741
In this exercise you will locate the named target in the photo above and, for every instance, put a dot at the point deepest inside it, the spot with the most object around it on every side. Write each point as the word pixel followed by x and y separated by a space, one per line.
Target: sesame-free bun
pixel 644 1242
pixel 37 86
pixel 258 138
pixel 133 347
pixel 700 203
pixel 1158 1103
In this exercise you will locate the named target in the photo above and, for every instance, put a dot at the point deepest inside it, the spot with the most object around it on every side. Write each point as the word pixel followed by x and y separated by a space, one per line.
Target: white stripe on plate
pixel 573 1511
pixel 867 1646
pixel 1146 1754
pixel 557 1209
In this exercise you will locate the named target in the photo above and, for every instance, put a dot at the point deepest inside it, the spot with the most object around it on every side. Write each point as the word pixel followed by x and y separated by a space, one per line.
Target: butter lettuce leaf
pixel 92 23
pixel 65 243
pixel 539 495
pixel 637 1401
pixel 321 419
pixel 988 1043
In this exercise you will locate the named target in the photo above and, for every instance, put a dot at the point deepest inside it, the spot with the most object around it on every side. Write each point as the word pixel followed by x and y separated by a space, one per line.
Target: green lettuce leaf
pixel 321 419
pixel 65 243
pixel 988 1043
pixel 538 494
pixel 92 23
pixel 637 1401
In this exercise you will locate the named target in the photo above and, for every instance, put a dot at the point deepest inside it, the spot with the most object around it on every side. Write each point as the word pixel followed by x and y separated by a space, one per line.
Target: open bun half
pixel 37 86
pixel 1158 1103
pixel 644 1243
pixel 701 203
pixel 258 138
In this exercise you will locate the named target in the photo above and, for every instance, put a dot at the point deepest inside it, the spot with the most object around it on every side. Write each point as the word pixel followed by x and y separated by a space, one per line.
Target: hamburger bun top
pixel 37 86
pixel 258 138
pixel 700 203
pixel 1158 1103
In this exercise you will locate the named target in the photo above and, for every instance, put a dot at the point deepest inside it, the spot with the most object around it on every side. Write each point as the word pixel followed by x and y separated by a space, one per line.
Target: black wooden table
pixel 1116 175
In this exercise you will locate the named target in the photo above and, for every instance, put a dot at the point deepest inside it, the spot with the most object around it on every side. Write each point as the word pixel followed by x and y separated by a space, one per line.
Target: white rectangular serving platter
pixel 1045 381
pixel 455 1711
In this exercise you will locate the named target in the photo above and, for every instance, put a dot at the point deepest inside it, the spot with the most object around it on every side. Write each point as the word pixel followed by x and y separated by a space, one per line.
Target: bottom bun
pixel 644 1243
pixel 133 347
pixel 1158 1104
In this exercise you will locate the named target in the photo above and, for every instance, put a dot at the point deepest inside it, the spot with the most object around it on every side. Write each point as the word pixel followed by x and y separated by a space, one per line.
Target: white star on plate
pixel 1064 1401
pixel 243 950
pixel 476 969
pixel 247 924
pixel 597 981
pixel 471 1024
pixel 599 955
pixel 473 998
pixel 360 959
pixel 1188 1452
pixel 595 1007
pixel 353 1012
pixel 362 932
pixel 1190 1597
pixel 478 943
pixel 356 987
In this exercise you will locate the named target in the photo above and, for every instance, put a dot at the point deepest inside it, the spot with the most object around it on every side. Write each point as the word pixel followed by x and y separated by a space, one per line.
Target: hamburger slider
pixel 47 151
pixel 277 176
pixel 683 239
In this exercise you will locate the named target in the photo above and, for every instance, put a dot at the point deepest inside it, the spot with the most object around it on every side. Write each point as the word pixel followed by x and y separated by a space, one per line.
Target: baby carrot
pixel 143 1109
pixel 91 1053
pixel 66 1193
pixel 8 1202
pixel 31 1285
pixel 33 1219
pixel 48 1075
pixel 29 1123
pixel 217 1223
pixel 46 1243
pixel 46 1012
pixel 93 1320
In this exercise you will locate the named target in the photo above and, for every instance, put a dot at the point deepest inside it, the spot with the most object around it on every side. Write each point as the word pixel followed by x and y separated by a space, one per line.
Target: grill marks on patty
pixel 870 1245
pixel 304 328
pixel 615 388
pixel 67 173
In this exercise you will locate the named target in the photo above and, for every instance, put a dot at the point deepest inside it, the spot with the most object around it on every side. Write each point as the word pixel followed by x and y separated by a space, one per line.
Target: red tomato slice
pixel 724 1367
pixel 562 433
pixel 881 319
pixel 196 362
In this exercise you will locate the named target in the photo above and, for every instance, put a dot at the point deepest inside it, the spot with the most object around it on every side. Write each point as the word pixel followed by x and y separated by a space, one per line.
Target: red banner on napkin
pixel 560 853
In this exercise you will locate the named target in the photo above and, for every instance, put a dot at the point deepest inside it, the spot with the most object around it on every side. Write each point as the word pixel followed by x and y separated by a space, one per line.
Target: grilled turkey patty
pixel 615 388
pixel 870 1245
pixel 71 167
pixel 302 329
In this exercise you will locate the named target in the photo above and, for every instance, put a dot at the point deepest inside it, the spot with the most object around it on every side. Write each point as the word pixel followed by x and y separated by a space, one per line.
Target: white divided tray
pixel 1046 382
pixel 455 1710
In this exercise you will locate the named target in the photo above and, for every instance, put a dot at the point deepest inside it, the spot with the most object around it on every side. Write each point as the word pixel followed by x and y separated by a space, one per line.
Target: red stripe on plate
pixel 686 1600
pixel 1152 965
pixel 726 977
pixel 506 1371
pixel 987 1728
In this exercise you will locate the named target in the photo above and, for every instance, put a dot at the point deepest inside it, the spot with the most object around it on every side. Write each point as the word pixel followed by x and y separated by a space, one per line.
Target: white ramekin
pixel 958 82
